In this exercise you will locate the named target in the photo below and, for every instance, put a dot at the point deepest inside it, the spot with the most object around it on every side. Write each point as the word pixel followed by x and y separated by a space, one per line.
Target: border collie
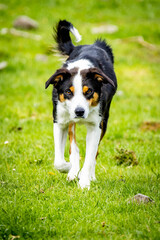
pixel 82 93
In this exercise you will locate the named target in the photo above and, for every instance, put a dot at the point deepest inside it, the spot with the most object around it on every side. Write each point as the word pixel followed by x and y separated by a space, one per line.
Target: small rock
pixel 41 191
pixel 119 93
pixel 103 224
pixel 43 218
pixel 140 198
pixel 41 58
pixel 4 31
pixel 105 29
pixel 51 173
pixel 3 65
pixel 19 33
pixel 3 6
pixel 25 22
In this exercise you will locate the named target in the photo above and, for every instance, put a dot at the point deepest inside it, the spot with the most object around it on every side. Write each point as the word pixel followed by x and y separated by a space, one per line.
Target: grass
pixel 36 201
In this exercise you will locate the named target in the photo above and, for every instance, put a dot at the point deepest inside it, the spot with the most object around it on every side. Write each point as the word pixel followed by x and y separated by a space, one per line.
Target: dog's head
pixel 79 91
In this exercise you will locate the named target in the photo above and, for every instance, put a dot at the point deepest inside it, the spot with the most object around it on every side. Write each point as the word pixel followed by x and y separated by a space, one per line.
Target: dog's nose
pixel 79 111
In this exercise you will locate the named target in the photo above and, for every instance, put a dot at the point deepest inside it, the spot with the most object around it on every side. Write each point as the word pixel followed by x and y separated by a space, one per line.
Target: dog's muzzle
pixel 79 112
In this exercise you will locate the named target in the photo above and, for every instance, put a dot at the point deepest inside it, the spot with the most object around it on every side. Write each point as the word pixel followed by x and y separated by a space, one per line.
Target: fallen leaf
pixel 12 237
pixel 51 173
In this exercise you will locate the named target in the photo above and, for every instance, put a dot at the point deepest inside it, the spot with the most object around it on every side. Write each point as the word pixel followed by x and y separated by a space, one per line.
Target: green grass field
pixel 36 201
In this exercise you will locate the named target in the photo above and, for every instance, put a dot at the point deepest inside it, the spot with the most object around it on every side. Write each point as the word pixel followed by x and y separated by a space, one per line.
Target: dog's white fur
pixel 75 32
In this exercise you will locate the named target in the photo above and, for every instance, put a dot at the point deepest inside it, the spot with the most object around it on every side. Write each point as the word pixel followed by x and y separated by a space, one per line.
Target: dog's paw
pixel 84 182
pixel 64 167
pixel 71 177
pixel 72 174
pixel 93 178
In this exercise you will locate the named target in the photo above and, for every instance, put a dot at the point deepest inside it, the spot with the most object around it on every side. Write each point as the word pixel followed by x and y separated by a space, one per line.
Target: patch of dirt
pixel 125 157
pixel 150 126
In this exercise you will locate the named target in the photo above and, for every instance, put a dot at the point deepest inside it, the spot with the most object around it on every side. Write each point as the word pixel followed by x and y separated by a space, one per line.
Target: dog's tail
pixel 62 36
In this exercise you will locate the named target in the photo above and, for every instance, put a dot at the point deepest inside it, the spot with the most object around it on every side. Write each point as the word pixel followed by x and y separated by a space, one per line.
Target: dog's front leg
pixel 88 171
pixel 60 136
pixel 74 154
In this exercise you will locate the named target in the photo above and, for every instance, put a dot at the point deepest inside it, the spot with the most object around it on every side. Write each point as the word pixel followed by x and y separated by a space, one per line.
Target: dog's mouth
pixel 76 117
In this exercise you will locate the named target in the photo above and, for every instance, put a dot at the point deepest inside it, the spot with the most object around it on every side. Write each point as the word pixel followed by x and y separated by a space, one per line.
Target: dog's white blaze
pixel 77 83
pixel 78 99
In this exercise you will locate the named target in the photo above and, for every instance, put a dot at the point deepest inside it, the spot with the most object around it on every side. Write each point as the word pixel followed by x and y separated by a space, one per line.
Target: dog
pixel 83 89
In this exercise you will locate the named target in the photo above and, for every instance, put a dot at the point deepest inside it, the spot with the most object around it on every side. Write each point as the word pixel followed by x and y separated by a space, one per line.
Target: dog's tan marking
pixel 61 97
pixel 72 134
pixel 102 135
pixel 97 154
pixel 94 100
pixel 102 130
pixel 58 78
pixel 72 89
pixel 85 89
pixel 98 77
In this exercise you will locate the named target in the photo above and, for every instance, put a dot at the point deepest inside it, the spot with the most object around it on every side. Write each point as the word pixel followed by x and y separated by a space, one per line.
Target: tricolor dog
pixel 82 93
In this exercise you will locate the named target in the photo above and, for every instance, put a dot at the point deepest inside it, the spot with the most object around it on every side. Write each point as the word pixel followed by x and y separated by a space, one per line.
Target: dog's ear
pixel 98 75
pixel 60 75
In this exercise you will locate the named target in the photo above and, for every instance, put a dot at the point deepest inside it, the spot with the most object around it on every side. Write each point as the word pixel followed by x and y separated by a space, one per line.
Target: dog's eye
pixel 89 91
pixel 68 91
